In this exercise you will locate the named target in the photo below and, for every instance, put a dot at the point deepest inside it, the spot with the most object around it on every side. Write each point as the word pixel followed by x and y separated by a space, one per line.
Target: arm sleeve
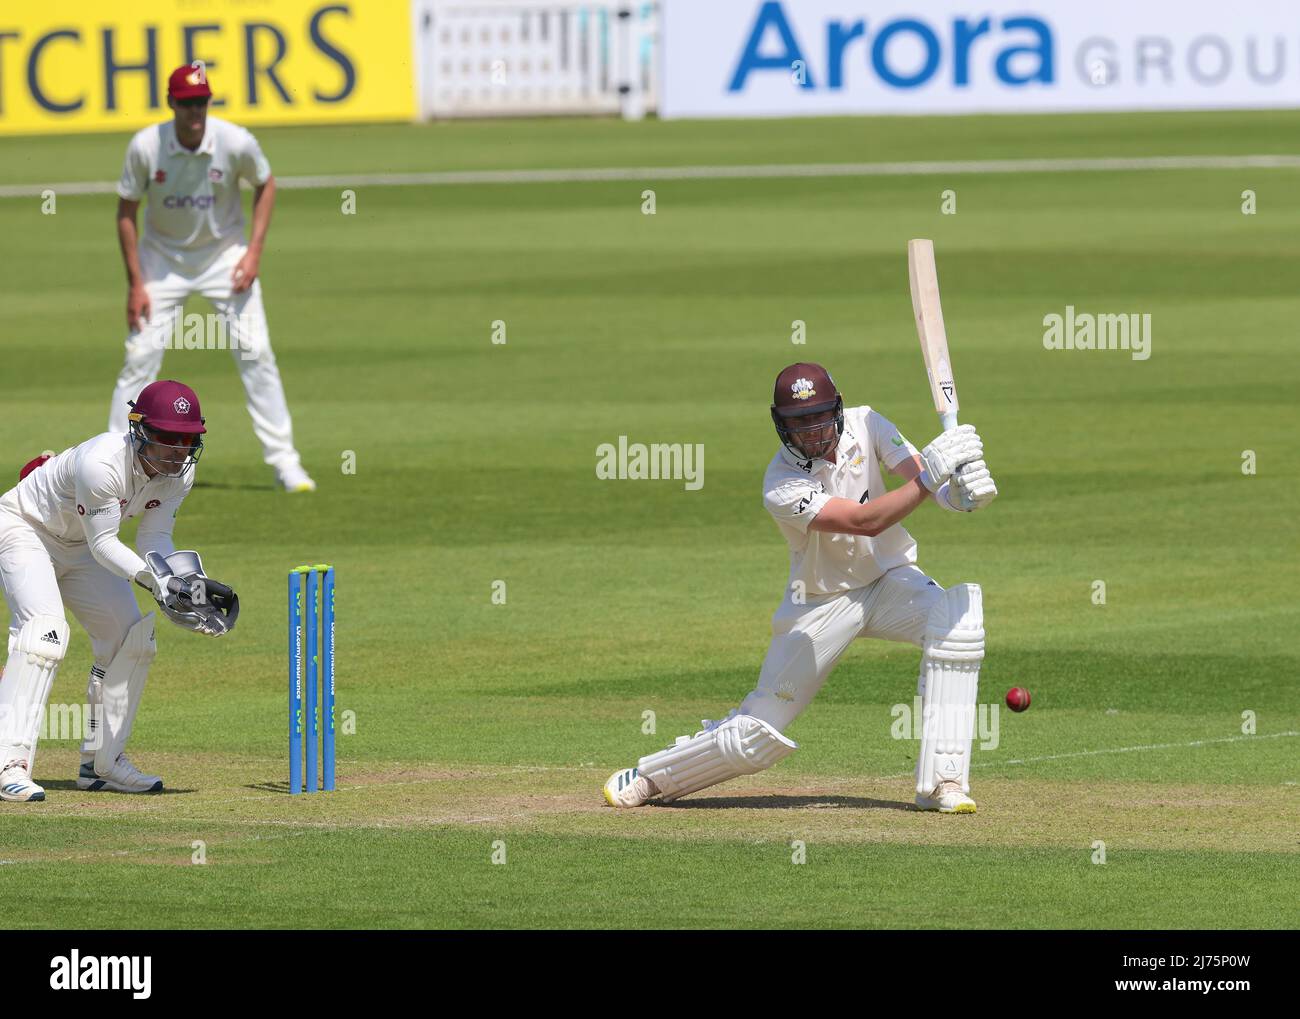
pixel 155 533
pixel 796 502
pixel 101 517
pixel 891 448
pixel 252 164
pixel 135 174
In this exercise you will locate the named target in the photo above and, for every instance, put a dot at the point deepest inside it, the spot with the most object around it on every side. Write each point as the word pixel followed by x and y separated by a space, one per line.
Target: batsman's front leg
pixel 950 666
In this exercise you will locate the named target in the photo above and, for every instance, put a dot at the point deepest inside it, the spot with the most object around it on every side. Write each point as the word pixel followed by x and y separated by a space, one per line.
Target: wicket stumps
pixel 319 662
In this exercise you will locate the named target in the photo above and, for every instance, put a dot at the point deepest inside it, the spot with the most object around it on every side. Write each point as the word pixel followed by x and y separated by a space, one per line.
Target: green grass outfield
pixel 479 723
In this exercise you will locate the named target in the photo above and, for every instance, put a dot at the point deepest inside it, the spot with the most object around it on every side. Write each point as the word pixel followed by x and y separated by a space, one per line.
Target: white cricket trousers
pixel 247 337
pixel 41 575
pixel 808 639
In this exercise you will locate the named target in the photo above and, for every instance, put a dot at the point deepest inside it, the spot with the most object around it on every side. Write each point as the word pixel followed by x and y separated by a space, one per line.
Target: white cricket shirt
pixel 795 490
pixel 82 496
pixel 193 212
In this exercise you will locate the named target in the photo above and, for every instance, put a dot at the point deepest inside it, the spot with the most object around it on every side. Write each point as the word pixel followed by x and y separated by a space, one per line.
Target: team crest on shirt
pixel 181 405
pixel 802 389
pixel 152 504
pixel 858 460
pixel 214 175
pixel 160 177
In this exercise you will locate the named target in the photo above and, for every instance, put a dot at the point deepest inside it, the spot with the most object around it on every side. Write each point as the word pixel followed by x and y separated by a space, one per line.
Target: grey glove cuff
pixel 941 497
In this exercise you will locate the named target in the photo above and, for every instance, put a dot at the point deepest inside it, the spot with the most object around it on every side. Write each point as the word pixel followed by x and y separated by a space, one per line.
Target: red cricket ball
pixel 1017 698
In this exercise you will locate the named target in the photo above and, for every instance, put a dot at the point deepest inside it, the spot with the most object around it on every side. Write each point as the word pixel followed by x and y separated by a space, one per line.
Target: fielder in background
pixel 59 545
pixel 193 243
pixel 853 574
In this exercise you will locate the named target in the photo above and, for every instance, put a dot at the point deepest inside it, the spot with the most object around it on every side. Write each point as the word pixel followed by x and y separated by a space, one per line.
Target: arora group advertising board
pixel 736 58
pixel 91 65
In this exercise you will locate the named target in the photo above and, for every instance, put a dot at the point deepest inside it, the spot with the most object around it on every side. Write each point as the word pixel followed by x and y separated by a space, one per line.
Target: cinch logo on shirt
pixel 188 201
pixel 152 504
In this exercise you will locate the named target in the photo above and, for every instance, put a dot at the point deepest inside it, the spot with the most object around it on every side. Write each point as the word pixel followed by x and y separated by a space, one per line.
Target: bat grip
pixel 949 420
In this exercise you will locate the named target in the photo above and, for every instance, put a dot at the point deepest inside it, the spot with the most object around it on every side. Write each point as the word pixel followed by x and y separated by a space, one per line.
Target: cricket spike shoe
pixel 627 788
pixel 295 479
pixel 124 778
pixel 16 785
pixel 947 798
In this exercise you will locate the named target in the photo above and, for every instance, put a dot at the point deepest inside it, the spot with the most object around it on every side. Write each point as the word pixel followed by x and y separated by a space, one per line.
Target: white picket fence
pixel 479 58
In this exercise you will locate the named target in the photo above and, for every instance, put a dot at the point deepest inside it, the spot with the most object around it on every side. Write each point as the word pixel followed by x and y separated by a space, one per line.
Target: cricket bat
pixel 929 328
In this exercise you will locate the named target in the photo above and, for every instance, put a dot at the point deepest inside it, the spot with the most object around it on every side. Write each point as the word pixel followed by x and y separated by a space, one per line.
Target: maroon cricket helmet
pixel 803 389
pixel 163 411
pixel 168 406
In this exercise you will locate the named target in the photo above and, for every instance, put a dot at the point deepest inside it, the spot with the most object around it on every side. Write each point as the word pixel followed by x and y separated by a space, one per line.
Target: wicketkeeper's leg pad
pixel 950 669
pixel 115 697
pixel 738 745
pixel 28 675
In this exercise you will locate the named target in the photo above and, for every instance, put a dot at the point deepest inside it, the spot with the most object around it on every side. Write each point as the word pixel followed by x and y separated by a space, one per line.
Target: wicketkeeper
pixel 59 546
pixel 853 574
pixel 193 243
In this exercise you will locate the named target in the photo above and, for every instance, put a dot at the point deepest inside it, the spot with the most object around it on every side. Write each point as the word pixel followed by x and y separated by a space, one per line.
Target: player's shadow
pixel 270 787
pixel 70 784
pixel 779 802
pixel 241 486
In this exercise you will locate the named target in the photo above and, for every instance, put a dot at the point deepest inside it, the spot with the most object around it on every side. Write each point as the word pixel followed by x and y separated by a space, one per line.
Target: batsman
pixel 853 574
pixel 59 546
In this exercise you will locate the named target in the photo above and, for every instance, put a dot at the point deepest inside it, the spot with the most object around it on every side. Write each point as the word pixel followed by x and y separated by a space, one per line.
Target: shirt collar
pixel 811 467
pixel 133 466
pixel 807 466
pixel 206 147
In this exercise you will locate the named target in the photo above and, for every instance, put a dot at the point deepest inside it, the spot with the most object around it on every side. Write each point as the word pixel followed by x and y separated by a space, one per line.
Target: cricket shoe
pixel 626 788
pixel 295 479
pixel 125 777
pixel 16 785
pixel 947 798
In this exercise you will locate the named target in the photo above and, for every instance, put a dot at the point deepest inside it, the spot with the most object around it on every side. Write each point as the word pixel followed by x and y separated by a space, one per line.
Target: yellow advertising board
pixel 102 65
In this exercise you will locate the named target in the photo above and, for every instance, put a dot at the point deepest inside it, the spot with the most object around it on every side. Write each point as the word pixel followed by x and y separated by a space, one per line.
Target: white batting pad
pixel 29 673
pixel 739 745
pixel 950 670
pixel 114 699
